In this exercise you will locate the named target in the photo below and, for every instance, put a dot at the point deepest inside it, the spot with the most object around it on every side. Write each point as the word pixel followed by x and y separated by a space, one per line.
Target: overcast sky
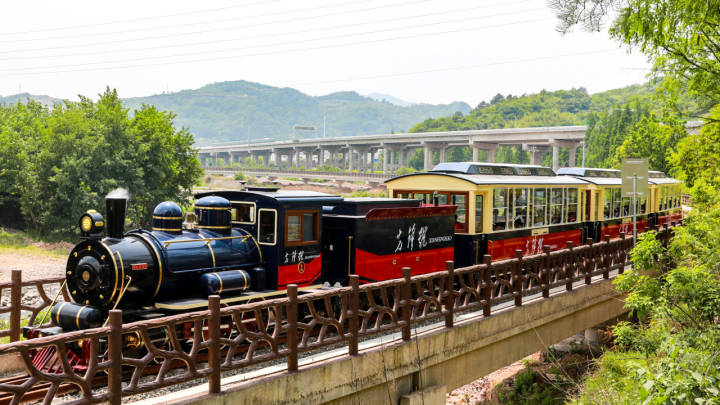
pixel 434 51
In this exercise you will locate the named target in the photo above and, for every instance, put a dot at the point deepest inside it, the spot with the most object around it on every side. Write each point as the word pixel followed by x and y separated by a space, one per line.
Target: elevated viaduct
pixel 359 152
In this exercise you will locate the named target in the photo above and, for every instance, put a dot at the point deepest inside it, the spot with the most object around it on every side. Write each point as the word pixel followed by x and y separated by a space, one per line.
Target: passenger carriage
pixel 610 213
pixel 501 207
pixel 505 207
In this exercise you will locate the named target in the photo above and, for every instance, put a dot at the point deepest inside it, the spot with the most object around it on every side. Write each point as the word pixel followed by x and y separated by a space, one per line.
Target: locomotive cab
pixel 287 226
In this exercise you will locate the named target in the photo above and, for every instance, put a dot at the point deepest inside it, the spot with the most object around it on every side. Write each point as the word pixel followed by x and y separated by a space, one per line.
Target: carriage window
pixel 460 201
pixel 571 213
pixel 442 199
pixel 520 203
pixel 499 209
pixel 301 227
pixel 243 213
pixel 294 227
pixel 643 205
pixel 626 206
pixel 479 213
pixel 538 210
pixel 426 198
pixel 617 202
pixel 607 207
pixel 556 204
pixel 266 227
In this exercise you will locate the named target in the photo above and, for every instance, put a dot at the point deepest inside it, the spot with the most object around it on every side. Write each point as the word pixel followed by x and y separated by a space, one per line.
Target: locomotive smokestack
pixel 115 204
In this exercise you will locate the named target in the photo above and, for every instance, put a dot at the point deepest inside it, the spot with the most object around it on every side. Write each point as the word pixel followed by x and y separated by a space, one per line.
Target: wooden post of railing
pixel 569 267
pixel 214 348
pixel 516 277
pixel 15 304
pixel 589 262
pixel 292 333
pixel 115 357
pixel 607 257
pixel 449 294
pixel 405 303
pixel 487 285
pixel 545 272
pixel 354 315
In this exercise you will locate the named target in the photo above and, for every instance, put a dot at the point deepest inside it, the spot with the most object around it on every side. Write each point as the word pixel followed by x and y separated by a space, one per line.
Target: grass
pixel 5 324
pixel 19 243
pixel 613 382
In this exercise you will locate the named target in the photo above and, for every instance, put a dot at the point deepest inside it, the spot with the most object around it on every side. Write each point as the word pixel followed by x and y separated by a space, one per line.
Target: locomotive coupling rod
pixel 122 292
pixel 53 302
pixel 206 241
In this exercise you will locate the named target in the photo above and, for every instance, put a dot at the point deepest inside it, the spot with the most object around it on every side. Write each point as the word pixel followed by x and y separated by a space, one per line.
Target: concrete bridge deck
pixel 388 367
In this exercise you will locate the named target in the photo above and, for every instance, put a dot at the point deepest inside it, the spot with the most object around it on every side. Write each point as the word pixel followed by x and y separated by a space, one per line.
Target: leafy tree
pixel 680 37
pixel 697 158
pixel 652 139
pixel 63 162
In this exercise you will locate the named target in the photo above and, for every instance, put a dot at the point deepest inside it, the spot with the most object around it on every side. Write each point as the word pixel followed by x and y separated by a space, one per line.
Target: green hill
pixel 226 111
pixel 47 101
pixel 610 116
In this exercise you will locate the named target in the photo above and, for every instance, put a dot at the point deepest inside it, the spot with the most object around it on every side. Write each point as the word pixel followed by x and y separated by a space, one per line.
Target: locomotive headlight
pixel 86 223
pixel 91 224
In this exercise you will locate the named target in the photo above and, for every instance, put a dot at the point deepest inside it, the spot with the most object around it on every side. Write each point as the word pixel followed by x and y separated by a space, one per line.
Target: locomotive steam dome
pixel 167 217
pixel 213 214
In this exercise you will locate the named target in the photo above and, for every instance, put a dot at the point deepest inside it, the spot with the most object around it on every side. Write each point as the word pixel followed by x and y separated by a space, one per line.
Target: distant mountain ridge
pixel 47 101
pixel 390 99
pixel 238 110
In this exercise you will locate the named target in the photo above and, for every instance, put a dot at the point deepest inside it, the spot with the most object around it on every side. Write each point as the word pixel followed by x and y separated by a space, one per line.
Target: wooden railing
pixel 231 338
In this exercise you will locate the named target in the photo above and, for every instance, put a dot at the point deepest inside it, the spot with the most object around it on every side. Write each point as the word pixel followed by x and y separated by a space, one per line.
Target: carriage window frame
pixel 568 203
pixel 253 211
pixel 497 207
pixel 516 207
pixel 554 205
pixel 479 209
pixel 534 207
pixel 301 214
pixel 260 213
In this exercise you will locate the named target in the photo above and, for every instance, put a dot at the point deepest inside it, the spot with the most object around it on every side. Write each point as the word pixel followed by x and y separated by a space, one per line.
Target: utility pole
pixel 248 135
pixel 583 150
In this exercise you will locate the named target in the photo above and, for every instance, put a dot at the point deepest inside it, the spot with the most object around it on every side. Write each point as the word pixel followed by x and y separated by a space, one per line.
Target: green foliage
pixel 240 176
pixel 675 291
pixel 621 123
pixel 698 156
pixel 405 170
pixel 528 388
pixel 60 163
pixel 652 139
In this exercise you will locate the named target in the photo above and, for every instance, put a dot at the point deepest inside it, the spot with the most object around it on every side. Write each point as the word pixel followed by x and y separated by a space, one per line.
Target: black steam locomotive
pixel 243 245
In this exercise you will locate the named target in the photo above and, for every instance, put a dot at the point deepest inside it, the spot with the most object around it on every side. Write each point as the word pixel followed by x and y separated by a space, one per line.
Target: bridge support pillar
pixel 555 156
pixel 443 153
pixel 350 158
pixel 385 153
pixel 572 155
pixel 427 158
pixel 489 147
pixel 491 153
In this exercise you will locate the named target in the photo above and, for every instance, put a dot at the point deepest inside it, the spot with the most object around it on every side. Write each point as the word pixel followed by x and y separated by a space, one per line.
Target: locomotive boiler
pixel 131 270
